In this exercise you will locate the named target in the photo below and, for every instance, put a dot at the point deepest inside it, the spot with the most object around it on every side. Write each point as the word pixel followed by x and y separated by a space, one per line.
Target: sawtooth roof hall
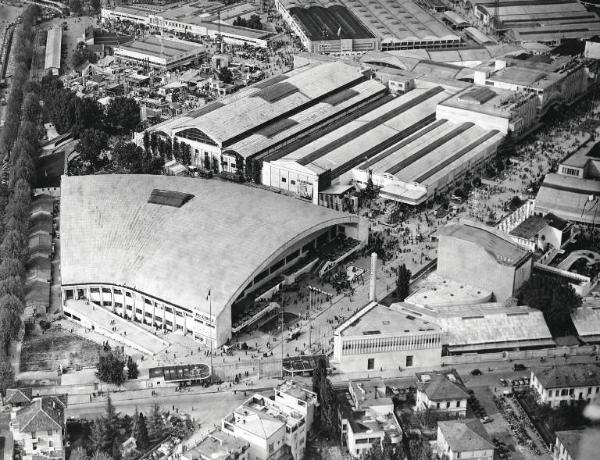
pixel 154 246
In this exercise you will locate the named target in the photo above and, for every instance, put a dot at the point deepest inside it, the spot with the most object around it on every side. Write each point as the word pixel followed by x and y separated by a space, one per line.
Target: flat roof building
pixel 272 428
pixel 159 52
pixel 218 445
pixel 379 338
pixel 492 108
pixel 367 415
pixel 53 50
pixel 472 253
pixel 560 81
pixel 140 245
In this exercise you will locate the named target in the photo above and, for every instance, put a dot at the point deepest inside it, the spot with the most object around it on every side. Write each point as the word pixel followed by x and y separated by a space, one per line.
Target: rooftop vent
pixel 169 198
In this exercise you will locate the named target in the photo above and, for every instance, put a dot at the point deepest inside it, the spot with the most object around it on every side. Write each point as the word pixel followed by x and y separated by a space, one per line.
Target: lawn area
pixel 46 351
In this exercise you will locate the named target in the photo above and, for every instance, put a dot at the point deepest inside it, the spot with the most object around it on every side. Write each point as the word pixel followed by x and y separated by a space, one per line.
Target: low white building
pixel 441 391
pixel 541 232
pixel 298 398
pixel 458 439
pixel 39 428
pixel 379 338
pixel 367 415
pixel 568 383
pixel 272 429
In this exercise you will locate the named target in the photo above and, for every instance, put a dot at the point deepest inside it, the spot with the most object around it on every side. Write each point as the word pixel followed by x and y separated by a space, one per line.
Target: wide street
pixel 205 408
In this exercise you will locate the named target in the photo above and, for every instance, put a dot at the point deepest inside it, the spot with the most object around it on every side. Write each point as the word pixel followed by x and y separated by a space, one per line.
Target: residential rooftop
pixel 217 446
pixel 442 385
pixel 569 375
pixel 465 435
pixel 291 388
pixel 571 441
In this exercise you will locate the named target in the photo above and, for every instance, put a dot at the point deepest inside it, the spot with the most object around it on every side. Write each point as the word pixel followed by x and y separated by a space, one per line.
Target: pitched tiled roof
pixel 18 395
pixel 442 386
pixel 46 413
pixel 465 435
pixel 569 375
pixel 570 440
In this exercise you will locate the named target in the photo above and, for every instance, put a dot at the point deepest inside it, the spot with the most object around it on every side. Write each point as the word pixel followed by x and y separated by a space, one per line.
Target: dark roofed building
pixel 443 391
pixel 567 445
pixel 17 397
pixel 569 382
pixel 39 428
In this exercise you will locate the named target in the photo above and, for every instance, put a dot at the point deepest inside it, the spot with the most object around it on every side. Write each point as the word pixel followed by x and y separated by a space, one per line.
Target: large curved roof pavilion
pixel 127 230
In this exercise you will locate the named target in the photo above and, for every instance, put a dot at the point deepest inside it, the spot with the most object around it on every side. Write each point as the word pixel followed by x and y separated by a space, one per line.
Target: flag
pixel 339 31
pixel 208 296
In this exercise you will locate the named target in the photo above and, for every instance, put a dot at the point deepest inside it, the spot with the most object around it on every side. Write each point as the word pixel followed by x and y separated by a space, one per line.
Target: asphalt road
pixel 205 408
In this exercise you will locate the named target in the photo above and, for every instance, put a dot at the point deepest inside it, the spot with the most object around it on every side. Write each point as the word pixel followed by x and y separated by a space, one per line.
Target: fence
pixel 255 368
pixel 523 354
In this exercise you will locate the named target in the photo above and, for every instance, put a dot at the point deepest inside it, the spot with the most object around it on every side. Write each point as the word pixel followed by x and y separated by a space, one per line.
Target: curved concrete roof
pixel 219 240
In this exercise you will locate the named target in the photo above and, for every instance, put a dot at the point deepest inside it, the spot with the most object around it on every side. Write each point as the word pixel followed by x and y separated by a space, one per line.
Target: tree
pixel 88 113
pixel 420 449
pixel 146 141
pixel 122 114
pixel 156 424
pixel 7 376
pixel 254 22
pixel 403 282
pixel 555 298
pixel 225 75
pixel 82 53
pixel 99 435
pixel 96 5
pixel 140 432
pixel 328 407
pixel 132 369
pixel 186 153
pixel 91 144
pixel 110 369
pixel 100 455
pixel 129 156
pixel 78 454
pixel 11 267
pixel 116 449
pixel 75 6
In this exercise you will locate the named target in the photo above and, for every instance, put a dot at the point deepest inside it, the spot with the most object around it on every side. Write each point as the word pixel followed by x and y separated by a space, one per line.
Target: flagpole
pixel 211 334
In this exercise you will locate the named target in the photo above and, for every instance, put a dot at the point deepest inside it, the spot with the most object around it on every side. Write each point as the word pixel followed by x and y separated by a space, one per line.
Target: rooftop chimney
pixel 372 291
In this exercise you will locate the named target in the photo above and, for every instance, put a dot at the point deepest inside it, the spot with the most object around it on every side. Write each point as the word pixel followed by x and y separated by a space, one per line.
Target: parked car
pixel 519 367
pixel 487 419
pixel 503 382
